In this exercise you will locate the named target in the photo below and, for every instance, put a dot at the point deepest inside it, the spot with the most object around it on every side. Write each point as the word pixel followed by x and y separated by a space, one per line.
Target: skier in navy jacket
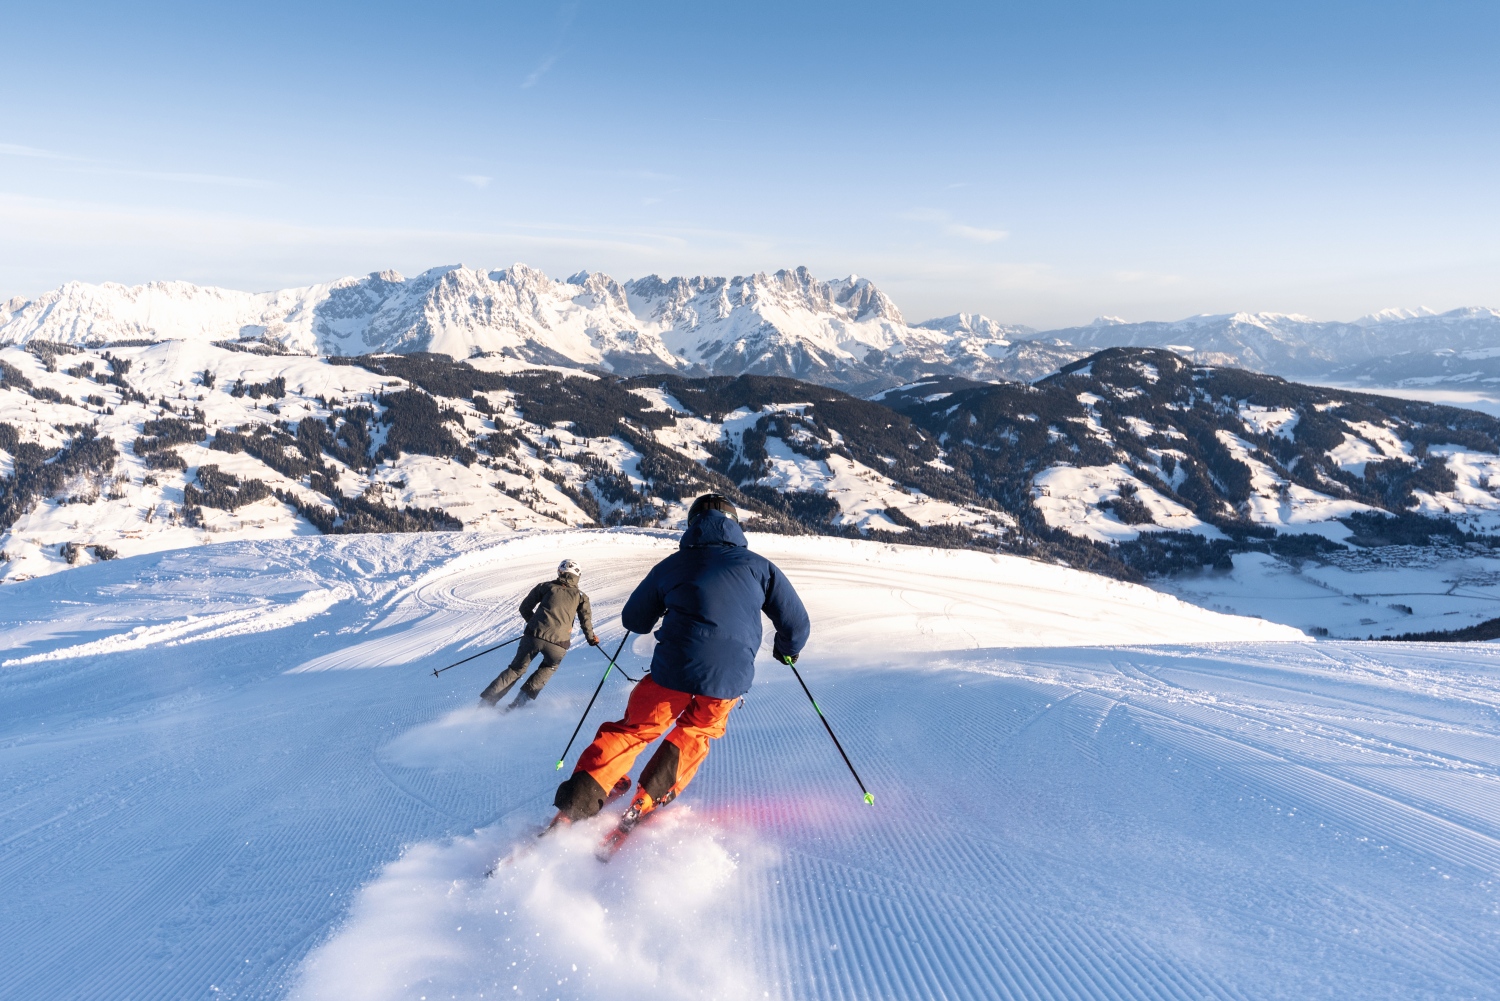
pixel 709 596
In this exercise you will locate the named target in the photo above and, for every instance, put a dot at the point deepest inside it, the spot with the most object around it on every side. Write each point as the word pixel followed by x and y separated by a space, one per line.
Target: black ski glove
pixel 787 658
pixel 593 640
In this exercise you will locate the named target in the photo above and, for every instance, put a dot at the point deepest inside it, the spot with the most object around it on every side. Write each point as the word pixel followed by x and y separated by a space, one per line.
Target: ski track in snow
pixel 242 816
pixel 260 617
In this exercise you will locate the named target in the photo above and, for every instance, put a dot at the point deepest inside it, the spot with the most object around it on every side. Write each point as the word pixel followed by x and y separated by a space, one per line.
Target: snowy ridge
pixel 78 313
pixel 1387 348
pixel 844 332
pixel 279 427
pixel 1240 819
pixel 1132 444
pixel 1133 463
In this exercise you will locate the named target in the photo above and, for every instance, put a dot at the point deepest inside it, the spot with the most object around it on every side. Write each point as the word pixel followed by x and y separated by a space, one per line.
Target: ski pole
pixel 617 666
pixel 563 757
pixel 479 654
pixel 869 796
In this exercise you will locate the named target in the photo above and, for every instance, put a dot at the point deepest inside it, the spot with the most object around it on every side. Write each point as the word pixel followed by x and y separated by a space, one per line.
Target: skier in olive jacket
pixel 549 610
pixel 709 596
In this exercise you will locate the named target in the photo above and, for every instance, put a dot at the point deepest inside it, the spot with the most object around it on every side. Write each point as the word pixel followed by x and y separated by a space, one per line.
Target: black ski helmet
pixel 712 502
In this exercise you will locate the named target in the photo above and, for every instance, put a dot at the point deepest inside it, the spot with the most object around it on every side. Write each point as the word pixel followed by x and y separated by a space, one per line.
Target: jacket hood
pixel 713 529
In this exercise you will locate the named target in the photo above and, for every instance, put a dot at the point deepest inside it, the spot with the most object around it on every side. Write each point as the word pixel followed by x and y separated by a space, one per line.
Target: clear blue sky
pixel 1041 163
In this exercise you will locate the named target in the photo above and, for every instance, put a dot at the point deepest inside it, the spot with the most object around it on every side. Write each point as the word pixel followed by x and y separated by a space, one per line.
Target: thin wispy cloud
pixel 98 225
pixel 478 180
pixel 88 165
pixel 219 180
pixel 566 14
pixel 975 233
pixel 535 76
pixel 9 149
pixel 945 223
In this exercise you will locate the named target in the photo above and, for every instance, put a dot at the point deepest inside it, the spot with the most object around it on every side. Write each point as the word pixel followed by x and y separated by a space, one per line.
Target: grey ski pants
pixel 530 646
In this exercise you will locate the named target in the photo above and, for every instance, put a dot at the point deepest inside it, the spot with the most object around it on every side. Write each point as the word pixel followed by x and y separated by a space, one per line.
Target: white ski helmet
pixel 568 568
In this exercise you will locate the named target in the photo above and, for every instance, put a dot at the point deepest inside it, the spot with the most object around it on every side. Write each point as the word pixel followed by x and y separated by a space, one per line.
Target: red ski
pixel 639 811
pixel 620 788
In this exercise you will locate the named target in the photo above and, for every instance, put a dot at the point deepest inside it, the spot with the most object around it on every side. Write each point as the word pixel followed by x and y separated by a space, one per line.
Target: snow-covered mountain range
pixel 1133 463
pixel 1389 348
pixel 845 332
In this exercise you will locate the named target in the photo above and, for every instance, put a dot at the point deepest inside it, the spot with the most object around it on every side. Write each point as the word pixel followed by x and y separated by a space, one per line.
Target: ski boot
pixel 563 820
pixel 523 698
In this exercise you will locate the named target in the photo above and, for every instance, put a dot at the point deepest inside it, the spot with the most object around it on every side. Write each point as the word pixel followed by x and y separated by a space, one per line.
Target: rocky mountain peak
pixel 975 325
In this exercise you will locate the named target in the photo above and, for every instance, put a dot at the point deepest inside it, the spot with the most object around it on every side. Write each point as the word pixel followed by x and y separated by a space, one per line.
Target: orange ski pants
pixel 650 711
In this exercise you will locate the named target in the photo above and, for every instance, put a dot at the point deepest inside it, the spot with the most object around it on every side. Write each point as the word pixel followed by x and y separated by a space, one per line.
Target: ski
pixel 526 848
pixel 615 839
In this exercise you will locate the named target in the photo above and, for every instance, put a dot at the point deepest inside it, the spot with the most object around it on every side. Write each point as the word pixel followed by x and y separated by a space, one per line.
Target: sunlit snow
pixel 1063 809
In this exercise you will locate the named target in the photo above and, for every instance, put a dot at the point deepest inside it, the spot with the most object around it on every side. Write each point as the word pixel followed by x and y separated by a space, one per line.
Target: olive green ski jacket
pixel 549 610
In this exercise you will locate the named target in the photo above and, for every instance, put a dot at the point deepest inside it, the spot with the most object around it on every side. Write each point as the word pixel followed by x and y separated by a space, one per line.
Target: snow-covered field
pixel 231 773
pixel 1354 595
pixel 1482 397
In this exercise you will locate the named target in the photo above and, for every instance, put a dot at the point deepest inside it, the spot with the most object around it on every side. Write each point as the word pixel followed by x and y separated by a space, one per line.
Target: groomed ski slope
pixel 229 773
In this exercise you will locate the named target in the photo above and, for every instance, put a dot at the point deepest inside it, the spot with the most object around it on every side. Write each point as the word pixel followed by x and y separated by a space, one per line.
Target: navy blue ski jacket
pixel 709 595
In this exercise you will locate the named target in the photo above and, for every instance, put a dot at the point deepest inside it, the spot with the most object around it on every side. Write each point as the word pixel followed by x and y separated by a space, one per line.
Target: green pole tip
pixel 869 799
pixel 559 765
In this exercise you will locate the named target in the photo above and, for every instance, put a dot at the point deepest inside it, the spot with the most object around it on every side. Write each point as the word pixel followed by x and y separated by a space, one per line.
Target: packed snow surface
pixel 231 773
